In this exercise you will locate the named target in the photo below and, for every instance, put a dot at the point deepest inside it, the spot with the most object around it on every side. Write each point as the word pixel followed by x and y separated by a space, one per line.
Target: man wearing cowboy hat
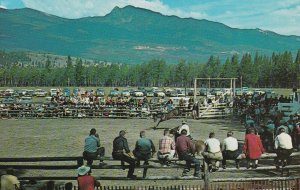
pixel 85 180
pixel 186 127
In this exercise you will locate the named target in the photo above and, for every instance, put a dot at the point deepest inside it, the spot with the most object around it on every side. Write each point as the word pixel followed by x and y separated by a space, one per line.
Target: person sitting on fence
pixel 186 150
pixel 283 148
pixel 253 148
pixel 92 148
pixel 144 150
pixel 166 148
pixel 122 152
pixel 85 180
pixel 186 127
pixel 9 181
pixel 212 153
pixel 230 150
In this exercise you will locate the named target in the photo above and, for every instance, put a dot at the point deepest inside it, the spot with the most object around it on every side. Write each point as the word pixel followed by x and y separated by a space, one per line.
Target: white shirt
pixel 230 143
pixel 8 182
pixel 186 127
pixel 213 145
pixel 283 140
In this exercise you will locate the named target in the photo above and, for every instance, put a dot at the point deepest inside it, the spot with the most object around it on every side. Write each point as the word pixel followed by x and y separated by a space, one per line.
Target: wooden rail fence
pixel 72 163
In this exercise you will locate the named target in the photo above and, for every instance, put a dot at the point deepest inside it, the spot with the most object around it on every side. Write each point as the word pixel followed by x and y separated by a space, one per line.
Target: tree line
pixel 279 70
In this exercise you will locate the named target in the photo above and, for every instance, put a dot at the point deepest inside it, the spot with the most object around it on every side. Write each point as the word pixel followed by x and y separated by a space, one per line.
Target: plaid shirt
pixel 166 144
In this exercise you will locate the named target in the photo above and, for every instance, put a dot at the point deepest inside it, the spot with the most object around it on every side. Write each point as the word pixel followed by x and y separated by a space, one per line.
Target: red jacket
pixel 86 182
pixel 253 147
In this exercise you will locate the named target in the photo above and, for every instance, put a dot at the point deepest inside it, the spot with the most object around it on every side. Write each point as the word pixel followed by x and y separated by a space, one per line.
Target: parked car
pixel 149 93
pixel 203 91
pixel 189 91
pixel 25 100
pixel 40 93
pixel 30 93
pixel 9 100
pixel 180 92
pixel 66 92
pixel 159 93
pixel 125 93
pixel 100 92
pixel 22 92
pixel 114 93
pixel 53 92
pixel 238 92
pixel 75 91
pixel 9 92
pixel 137 93
pixel 216 92
pixel 173 93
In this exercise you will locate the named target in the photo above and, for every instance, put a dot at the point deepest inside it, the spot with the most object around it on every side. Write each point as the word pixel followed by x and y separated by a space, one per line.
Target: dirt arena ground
pixel 65 137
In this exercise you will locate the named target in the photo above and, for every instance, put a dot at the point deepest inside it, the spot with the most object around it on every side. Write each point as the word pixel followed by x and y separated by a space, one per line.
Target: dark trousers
pixel 127 159
pixel 230 155
pixel 90 156
pixel 282 154
pixel 189 159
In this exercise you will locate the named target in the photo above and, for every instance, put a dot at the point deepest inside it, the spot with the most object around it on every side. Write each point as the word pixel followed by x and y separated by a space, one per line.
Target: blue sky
pixel 280 16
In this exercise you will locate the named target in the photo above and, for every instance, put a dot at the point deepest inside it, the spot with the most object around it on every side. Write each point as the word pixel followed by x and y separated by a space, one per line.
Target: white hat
pixel 82 170
pixel 184 121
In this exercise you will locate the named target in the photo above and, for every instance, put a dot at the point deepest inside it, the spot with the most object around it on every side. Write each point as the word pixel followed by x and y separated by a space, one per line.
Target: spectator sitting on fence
pixel 283 148
pixel 253 148
pixel 212 153
pixel 92 148
pixel 85 180
pixel 230 150
pixel 144 150
pixel 186 151
pixel 122 152
pixel 9 181
pixel 166 148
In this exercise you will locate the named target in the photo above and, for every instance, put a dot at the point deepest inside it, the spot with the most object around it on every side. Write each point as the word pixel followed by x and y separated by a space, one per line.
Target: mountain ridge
pixel 135 35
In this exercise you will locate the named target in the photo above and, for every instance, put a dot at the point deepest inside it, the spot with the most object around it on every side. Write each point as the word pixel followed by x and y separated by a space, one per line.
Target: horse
pixel 166 116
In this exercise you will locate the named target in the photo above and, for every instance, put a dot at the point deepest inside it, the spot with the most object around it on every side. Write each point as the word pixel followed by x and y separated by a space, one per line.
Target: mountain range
pixel 134 35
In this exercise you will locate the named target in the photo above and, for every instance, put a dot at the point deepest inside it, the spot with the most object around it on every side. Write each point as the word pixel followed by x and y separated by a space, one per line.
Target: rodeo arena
pixel 149 138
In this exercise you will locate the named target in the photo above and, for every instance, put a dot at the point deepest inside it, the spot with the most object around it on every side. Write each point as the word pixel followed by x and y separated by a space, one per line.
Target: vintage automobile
pixel 25 100
pixel 66 92
pixel 114 93
pixel 9 100
pixel 125 93
pixel 100 92
pixel 180 92
pixel 53 92
pixel 159 93
pixel 137 93
pixel 40 93
pixel 149 93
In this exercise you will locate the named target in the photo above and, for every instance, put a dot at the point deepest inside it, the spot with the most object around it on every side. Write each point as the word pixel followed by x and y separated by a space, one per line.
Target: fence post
pixel 206 176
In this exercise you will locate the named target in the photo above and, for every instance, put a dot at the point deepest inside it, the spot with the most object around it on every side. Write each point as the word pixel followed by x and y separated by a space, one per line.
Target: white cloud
pixel 3 7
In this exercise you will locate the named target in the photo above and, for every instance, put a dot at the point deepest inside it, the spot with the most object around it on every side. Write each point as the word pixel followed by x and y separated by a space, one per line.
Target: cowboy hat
pixel 82 170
